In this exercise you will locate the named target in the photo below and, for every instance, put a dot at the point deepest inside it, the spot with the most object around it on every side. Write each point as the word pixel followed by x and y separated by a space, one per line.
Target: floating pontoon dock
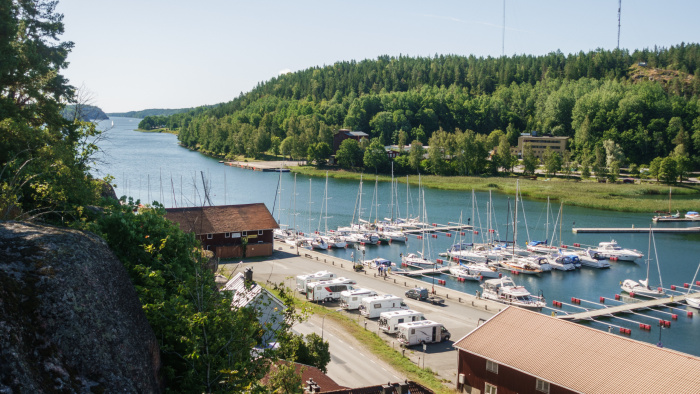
pixel 626 308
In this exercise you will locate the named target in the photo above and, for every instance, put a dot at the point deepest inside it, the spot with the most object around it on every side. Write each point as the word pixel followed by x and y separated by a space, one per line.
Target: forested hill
pixel 83 112
pixel 590 97
pixel 150 112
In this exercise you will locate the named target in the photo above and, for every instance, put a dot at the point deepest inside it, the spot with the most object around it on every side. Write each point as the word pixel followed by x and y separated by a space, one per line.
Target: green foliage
pixel 44 158
pixel 375 156
pixel 668 171
pixel 285 380
pixel 530 161
pixel 319 153
pixel 205 345
pixel 552 162
pixel 310 350
pixel 349 154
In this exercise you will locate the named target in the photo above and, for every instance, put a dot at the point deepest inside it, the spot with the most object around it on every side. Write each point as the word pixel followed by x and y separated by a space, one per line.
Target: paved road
pixel 457 315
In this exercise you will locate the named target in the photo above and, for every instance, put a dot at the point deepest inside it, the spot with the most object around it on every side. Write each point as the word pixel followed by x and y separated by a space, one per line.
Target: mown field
pixel 644 197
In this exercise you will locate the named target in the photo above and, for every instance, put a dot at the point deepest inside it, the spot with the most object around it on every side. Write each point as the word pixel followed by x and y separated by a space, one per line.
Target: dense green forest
pixel 643 111
pixel 150 112
pixel 83 112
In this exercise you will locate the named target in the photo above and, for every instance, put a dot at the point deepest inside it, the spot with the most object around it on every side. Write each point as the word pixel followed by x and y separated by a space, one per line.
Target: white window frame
pixel 492 366
pixel 542 386
pixel 260 232
pixel 245 233
pixel 210 236
pixel 227 235
pixel 490 388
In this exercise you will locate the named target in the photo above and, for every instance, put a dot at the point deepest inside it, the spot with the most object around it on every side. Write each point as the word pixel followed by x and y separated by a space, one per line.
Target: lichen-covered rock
pixel 70 319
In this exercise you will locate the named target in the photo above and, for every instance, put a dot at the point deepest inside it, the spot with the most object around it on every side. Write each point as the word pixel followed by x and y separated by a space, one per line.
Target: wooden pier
pixel 427 271
pixel 682 230
pixel 438 229
pixel 626 308
pixel 264 166
pixel 675 220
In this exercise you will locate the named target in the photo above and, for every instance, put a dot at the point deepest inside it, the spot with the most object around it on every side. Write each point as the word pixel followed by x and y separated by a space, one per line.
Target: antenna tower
pixel 503 35
pixel 619 14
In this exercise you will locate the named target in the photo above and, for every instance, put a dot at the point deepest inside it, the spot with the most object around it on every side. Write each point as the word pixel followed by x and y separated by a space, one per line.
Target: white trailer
pixel 303 280
pixel 328 290
pixel 389 321
pixel 352 299
pixel 372 307
pixel 417 332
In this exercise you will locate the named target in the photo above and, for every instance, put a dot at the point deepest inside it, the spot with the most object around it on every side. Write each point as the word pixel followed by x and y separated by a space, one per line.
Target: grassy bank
pixel 162 130
pixel 646 197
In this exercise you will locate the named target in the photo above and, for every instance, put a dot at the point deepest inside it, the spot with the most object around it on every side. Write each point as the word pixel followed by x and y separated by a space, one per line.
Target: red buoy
pixel 690 314
pixel 673 287
pixel 674 316
pixel 617 297
pixel 602 300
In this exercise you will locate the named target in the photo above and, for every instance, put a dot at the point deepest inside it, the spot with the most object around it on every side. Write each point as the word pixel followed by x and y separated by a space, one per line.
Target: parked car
pixel 418 293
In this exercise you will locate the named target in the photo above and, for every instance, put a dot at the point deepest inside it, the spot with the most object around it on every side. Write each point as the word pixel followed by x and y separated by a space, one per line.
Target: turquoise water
pixel 153 167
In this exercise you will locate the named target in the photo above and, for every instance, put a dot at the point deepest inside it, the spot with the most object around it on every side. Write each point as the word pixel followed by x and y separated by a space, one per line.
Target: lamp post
pixel 323 323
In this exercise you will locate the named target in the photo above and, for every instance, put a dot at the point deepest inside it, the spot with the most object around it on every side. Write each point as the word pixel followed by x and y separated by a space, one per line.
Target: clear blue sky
pixel 135 55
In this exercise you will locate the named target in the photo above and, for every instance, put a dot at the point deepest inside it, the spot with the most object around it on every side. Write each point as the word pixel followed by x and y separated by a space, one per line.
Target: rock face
pixel 70 320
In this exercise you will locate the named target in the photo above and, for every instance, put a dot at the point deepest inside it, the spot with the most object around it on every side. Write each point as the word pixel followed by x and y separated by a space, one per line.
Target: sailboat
pixel 418 258
pixel 642 287
pixel 692 301
pixel 669 216
pixel 332 240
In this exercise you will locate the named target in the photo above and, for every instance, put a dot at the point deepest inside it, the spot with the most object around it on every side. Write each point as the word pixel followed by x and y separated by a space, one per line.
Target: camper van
pixel 352 299
pixel 328 290
pixel 388 321
pixel 372 307
pixel 426 331
pixel 303 280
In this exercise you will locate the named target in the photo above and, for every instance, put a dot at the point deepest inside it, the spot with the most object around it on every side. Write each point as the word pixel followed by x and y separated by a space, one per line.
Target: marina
pixel 172 170
pixel 439 228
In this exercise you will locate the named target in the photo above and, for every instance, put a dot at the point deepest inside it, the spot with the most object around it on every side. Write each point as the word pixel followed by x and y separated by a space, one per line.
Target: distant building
pixel 344 134
pixel 521 351
pixel 227 229
pixel 247 293
pixel 539 144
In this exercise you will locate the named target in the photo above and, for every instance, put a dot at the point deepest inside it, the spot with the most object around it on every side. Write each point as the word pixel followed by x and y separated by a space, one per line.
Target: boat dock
pixel 427 271
pixel 627 308
pixel 659 219
pixel 264 166
pixel 682 230
pixel 439 228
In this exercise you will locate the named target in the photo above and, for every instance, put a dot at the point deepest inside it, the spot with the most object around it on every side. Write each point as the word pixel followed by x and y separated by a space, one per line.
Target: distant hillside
pixel 150 112
pixel 84 112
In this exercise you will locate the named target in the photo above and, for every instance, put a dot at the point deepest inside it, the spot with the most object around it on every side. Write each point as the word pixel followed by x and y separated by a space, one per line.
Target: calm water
pixel 152 167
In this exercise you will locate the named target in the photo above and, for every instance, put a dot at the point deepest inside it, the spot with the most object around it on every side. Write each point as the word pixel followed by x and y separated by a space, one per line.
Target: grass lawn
pixel 645 197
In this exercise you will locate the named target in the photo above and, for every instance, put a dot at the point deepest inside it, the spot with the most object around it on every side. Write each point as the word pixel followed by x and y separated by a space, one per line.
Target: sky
pixel 139 54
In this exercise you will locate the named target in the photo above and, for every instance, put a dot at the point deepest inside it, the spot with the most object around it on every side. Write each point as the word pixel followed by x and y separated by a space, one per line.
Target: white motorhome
pixel 372 307
pixel 417 332
pixel 389 321
pixel 303 280
pixel 352 299
pixel 328 290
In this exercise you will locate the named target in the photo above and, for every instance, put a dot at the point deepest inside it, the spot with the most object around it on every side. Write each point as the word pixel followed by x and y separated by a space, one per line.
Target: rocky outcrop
pixel 70 319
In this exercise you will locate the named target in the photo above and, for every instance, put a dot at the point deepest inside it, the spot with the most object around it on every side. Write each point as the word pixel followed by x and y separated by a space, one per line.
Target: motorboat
pixel 611 250
pixel 483 269
pixel 541 247
pixel 318 243
pixel 676 215
pixel 562 262
pixel 692 215
pixel 335 241
pixel 382 262
pixel 463 271
pixel 694 302
pixel 505 291
pixel 590 258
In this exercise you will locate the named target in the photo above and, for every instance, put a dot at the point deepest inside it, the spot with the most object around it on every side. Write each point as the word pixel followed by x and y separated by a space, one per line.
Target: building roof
pixel 580 358
pixel 353 133
pixel 412 387
pixel 223 218
pixel 242 295
pixel 308 372
pixel 544 137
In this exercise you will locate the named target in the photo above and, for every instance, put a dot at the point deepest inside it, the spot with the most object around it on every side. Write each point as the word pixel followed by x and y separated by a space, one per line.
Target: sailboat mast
pixel 473 218
pixel 515 219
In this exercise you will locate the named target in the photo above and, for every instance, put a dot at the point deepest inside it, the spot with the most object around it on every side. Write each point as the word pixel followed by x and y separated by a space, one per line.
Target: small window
pixel 210 236
pixel 542 386
pixel 377 306
pixel 260 232
pixel 413 331
pixel 227 235
pixel 490 389
pixel 245 233
pixel 491 366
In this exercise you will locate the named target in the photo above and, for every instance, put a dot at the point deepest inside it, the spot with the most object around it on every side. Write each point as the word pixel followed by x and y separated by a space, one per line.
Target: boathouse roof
pixel 223 218
pixel 580 358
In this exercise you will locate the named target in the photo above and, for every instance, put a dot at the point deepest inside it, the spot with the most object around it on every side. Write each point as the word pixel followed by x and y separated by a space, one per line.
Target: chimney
pixel 312 387
pixel 403 388
pixel 387 388
pixel 248 276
